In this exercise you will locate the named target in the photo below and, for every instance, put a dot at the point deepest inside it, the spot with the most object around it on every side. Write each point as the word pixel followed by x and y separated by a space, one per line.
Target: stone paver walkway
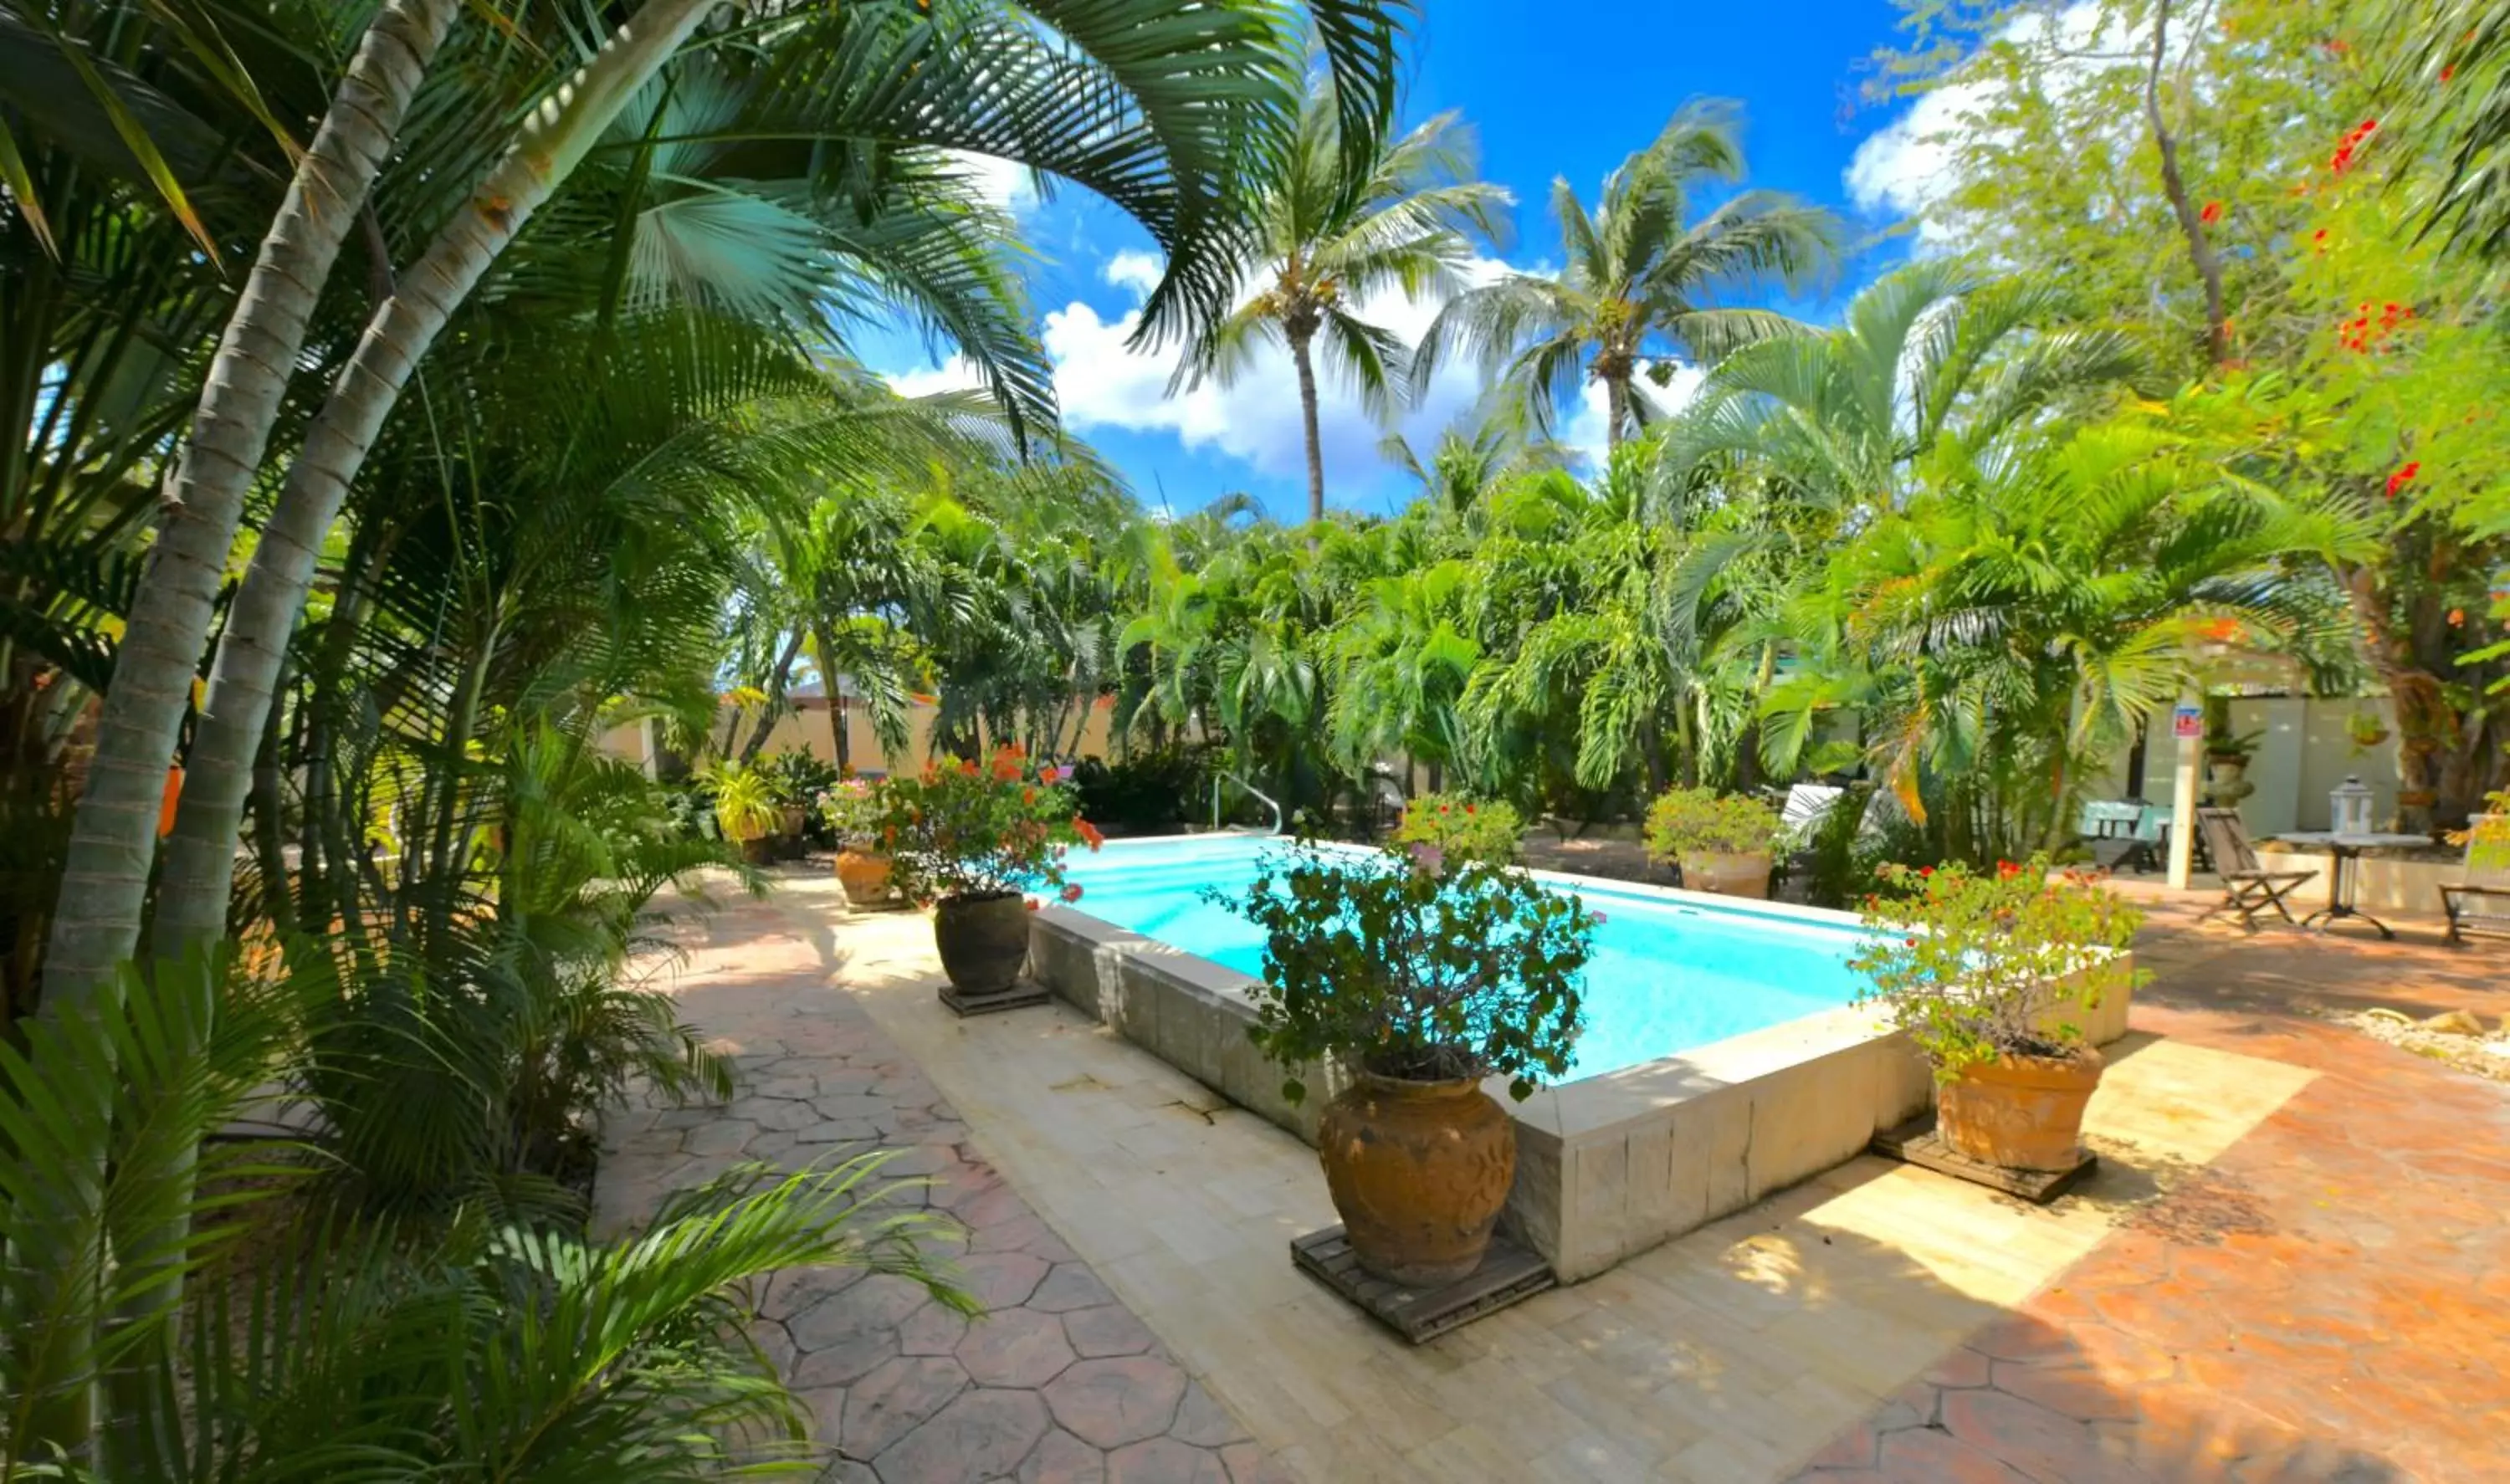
pixel 2293 1267
pixel 1056 1383
pixel 2330 1300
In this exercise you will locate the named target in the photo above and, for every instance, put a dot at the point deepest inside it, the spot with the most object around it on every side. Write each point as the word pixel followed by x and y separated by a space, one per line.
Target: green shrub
pixel 1146 792
pixel 1462 828
pixel 1396 963
pixel 1971 962
pixel 1700 821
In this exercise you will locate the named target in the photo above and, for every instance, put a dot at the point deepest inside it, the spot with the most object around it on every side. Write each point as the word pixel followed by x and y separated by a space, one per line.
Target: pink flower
pixel 1428 858
pixel 1071 890
pixel 1600 919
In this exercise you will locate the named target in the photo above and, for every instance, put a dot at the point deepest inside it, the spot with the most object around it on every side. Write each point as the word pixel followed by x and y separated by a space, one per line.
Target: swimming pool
pixel 1671 971
pixel 1720 1061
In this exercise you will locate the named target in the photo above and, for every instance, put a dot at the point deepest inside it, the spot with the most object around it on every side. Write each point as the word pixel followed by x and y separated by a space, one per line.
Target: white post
pixel 2182 788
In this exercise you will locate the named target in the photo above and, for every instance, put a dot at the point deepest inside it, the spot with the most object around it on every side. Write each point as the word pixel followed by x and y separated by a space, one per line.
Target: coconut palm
pixel 1637 294
pixel 1332 234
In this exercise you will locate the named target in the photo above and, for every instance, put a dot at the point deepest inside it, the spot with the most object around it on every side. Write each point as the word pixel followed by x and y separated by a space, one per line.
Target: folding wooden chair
pixel 2479 905
pixel 2248 889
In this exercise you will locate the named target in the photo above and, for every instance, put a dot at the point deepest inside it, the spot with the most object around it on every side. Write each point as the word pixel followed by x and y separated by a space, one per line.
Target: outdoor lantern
pixel 2353 801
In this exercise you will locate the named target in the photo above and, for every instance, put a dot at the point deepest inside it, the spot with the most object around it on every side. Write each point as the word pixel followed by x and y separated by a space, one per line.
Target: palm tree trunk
pixel 1616 410
pixel 1301 352
pixel 113 835
pixel 201 857
pixel 839 749
pixel 779 681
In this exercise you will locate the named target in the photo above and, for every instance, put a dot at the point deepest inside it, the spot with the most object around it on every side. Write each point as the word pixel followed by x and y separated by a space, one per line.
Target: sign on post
pixel 2187 722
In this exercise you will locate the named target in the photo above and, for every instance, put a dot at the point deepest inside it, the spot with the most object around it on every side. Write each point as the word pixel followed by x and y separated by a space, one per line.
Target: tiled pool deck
pixel 2294 1264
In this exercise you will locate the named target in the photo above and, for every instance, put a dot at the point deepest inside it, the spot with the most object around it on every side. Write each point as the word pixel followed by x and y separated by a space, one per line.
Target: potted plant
pixel 1420 977
pixel 2366 730
pixel 972 841
pixel 1722 842
pixel 1981 968
pixel 745 809
pixel 850 809
pixel 1462 828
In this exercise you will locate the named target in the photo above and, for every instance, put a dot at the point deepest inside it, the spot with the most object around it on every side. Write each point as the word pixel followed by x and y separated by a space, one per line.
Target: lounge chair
pixel 2479 905
pixel 2247 889
pixel 2121 832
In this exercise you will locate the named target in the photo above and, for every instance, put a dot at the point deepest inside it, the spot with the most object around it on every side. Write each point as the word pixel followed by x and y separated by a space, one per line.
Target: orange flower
pixel 1090 833
pixel 1028 796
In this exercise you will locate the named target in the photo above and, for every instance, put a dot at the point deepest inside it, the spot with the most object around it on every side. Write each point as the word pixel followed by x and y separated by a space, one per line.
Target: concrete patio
pixel 2291 1265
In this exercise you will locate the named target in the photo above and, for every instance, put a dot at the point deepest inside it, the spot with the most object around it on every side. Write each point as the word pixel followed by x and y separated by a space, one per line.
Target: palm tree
pixel 1635 296
pixel 1935 365
pixel 1162 115
pixel 1333 233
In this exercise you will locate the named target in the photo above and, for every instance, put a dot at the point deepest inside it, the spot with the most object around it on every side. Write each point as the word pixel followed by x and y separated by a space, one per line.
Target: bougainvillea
pixel 1973 965
pixel 965 831
pixel 1462 828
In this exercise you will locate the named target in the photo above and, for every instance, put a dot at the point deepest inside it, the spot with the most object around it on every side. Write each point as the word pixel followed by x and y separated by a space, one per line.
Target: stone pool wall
pixel 1607 1166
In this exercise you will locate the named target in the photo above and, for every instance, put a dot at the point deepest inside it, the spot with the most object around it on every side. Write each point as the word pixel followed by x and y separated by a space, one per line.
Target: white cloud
pixel 1908 166
pixel 998 183
pixel 1135 270
pixel 952 375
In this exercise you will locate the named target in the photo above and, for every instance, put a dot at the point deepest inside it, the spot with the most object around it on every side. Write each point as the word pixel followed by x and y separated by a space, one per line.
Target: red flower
pixel 1090 833
pixel 2448 71
pixel 1468 809
pixel 2403 478
pixel 2212 212
pixel 1926 870
pixel 1030 902
pixel 2457 617
pixel 1910 943
pixel 1071 890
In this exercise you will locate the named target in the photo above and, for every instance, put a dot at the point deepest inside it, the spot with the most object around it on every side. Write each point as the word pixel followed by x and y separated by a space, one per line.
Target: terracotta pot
pixel 983 941
pixel 2020 1112
pixel 759 850
pixel 1733 873
pixel 1418 1172
pixel 865 874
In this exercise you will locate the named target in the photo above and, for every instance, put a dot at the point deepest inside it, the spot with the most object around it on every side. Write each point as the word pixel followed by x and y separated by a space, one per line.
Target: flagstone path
pixel 1055 1383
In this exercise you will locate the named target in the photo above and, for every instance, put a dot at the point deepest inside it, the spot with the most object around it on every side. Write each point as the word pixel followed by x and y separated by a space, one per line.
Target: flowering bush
pixel 963 831
pixel 1971 963
pixel 851 808
pixel 1404 967
pixel 1700 821
pixel 1461 828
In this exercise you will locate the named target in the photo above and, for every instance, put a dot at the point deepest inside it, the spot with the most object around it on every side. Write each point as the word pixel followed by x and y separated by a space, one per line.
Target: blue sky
pixel 1550 92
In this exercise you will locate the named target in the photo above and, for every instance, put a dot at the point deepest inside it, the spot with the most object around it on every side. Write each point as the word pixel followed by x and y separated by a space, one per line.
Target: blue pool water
pixel 1668 972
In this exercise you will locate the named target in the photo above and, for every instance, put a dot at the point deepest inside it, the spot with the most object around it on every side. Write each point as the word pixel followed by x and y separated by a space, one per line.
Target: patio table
pixel 2342 882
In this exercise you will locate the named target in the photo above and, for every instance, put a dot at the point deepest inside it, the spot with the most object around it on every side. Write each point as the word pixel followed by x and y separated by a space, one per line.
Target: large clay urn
pixel 1418 1172
pixel 865 874
pixel 983 941
pixel 1731 873
pixel 2020 1112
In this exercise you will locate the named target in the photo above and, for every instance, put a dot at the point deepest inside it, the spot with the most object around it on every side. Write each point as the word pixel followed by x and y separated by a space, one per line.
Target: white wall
pixel 2305 749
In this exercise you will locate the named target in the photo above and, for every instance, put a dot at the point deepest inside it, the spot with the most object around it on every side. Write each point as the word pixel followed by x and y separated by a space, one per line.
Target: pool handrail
pixel 1239 779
